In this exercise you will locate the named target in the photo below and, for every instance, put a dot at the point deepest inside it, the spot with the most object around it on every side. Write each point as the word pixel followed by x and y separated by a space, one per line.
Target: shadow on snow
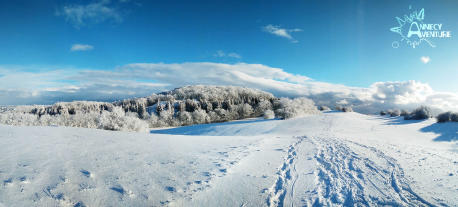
pixel 199 129
pixel 447 131
pixel 399 120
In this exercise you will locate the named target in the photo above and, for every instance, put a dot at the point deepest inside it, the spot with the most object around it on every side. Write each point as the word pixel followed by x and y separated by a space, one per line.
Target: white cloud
pixel 222 54
pixel 81 47
pixel 281 32
pixel 142 79
pixel 410 94
pixel 425 59
pixel 81 15
pixel 401 93
pixel 234 55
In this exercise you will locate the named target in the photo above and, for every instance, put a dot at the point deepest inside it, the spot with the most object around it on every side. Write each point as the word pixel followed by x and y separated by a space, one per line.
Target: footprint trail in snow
pixel 343 177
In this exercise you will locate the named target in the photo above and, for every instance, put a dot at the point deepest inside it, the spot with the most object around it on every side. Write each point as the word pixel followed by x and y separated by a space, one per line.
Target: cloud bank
pixel 18 86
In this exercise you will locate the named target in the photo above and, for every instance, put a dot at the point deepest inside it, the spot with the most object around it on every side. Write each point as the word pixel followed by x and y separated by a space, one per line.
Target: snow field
pixel 329 159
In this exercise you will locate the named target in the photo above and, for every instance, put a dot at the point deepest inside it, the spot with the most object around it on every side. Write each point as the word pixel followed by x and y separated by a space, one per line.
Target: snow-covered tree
pixel 182 106
pixel 286 108
pixel 268 114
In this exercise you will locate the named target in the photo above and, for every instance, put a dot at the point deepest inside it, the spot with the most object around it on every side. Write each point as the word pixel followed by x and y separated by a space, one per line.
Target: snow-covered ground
pixel 333 159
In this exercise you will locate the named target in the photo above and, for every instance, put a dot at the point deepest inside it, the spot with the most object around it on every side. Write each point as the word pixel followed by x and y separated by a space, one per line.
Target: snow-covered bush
pixel 454 117
pixel 395 113
pixel 17 118
pixel 261 107
pixel 167 118
pixel 70 108
pixel 392 113
pixel 423 112
pixel 447 117
pixel 324 108
pixel 268 114
pixel 246 111
pixel 119 121
pixel 444 117
pixel 344 108
pixel 404 113
pixel 116 119
pixel 220 115
pixel 347 109
pixel 338 108
pixel 185 118
pixel 286 108
pixel 200 117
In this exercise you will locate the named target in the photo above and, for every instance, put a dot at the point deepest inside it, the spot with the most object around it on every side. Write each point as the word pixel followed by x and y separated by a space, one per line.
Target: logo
pixel 414 31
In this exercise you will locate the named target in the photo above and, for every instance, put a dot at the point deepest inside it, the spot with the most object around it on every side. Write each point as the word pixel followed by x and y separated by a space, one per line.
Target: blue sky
pixel 337 42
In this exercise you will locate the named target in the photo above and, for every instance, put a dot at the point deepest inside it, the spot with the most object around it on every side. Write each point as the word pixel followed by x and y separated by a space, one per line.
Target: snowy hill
pixel 331 159
pixel 183 106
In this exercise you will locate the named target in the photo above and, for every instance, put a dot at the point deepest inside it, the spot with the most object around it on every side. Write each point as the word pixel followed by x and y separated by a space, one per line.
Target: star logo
pixel 409 29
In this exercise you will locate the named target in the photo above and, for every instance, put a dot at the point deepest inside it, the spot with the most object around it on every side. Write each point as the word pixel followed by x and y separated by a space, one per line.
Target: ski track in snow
pixel 286 179
pixel 346 178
